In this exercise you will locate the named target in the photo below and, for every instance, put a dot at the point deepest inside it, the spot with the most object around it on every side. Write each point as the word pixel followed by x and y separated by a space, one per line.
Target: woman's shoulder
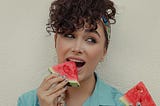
pixel 28 98
pixel 30 93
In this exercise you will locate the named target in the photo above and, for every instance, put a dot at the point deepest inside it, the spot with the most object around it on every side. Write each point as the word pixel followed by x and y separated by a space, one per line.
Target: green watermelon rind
pixel 125 101
pixel 72 83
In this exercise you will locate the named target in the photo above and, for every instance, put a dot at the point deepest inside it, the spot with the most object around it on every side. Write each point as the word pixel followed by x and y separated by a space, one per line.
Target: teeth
pixel 75 60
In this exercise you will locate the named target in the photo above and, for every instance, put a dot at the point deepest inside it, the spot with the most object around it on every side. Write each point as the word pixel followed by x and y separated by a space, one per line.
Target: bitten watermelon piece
pixel 69 70
pixel 137 96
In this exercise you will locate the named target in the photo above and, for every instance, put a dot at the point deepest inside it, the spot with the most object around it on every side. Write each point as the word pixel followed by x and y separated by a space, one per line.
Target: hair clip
pixel 109 11
pixel 108 27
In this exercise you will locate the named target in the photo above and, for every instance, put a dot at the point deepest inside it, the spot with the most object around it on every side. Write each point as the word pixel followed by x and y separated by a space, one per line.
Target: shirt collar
pixel 102 94
pixel 103 91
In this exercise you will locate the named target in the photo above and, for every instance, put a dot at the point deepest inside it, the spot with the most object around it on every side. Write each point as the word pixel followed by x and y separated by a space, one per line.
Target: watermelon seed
pixel 66 80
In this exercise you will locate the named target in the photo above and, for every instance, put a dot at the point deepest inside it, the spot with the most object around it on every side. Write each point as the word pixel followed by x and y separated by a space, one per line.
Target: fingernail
pixel 65 87
pixel 63 77
pixel 66 80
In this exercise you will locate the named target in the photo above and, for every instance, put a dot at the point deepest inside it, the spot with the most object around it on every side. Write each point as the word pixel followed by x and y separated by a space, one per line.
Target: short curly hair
pixel 66 16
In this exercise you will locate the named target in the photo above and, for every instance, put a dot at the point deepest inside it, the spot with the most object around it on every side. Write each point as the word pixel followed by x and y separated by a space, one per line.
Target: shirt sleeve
pixel 23 101
pixel 28 99
pixel 20 102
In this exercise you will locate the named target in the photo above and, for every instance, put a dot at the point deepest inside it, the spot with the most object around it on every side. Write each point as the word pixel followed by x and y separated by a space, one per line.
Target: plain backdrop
pixel 26 49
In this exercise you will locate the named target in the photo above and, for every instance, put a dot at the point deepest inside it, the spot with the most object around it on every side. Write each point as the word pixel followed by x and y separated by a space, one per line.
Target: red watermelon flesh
pixel 69 70
pixel 137 96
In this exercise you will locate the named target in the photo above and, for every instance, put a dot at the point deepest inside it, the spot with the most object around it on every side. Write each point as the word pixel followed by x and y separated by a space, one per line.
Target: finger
pixel 57 87
pixel 59 92
pixel 52 82
pixel 51 76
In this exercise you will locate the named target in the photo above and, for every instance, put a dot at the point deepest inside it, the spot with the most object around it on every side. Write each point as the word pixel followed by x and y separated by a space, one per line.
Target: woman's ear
pixel 55 39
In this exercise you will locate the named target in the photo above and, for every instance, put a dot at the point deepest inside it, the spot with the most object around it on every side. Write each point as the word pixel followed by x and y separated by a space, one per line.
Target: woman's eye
pixel 69 36
pixel 91 40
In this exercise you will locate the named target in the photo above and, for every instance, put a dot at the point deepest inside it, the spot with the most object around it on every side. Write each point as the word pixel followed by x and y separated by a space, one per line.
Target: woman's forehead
pixel 99 31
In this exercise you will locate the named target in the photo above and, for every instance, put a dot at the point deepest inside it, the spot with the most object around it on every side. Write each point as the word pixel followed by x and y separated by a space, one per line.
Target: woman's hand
pixel 49 90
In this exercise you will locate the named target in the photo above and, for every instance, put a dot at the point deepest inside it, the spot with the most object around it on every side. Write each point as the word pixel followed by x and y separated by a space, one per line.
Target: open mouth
pixel 79 63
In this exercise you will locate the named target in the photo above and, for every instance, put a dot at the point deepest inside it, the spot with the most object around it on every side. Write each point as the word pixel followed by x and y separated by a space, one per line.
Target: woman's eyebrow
pixel 92 31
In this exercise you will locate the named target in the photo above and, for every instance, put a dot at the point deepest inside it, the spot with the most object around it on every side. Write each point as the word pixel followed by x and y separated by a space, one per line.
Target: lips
pixel 79 62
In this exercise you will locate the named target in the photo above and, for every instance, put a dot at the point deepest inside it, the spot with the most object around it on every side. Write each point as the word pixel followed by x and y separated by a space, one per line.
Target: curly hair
pixel 66 16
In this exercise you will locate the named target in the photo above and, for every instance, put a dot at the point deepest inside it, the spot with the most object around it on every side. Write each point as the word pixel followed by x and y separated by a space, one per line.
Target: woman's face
pixel 86 48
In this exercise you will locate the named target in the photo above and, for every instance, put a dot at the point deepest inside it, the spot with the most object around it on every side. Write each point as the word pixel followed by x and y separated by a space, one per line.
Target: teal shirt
pixel 103 95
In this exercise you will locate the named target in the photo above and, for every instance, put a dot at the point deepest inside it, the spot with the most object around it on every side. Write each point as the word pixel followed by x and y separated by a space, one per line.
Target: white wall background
pixel 26 51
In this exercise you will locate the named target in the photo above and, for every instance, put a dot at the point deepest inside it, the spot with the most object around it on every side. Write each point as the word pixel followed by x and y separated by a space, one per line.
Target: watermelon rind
pixel 125 101
pixel 72 83
pixel 52 71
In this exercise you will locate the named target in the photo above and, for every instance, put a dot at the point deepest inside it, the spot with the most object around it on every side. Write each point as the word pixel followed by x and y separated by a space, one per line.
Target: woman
pixel 82 30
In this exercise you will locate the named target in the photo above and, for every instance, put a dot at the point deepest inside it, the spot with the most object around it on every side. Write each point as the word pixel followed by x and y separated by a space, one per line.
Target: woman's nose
pixel 78 48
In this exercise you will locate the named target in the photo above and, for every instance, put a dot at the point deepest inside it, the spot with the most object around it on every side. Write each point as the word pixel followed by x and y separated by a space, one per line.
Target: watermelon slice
pixel 69 70
pixel 137 96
